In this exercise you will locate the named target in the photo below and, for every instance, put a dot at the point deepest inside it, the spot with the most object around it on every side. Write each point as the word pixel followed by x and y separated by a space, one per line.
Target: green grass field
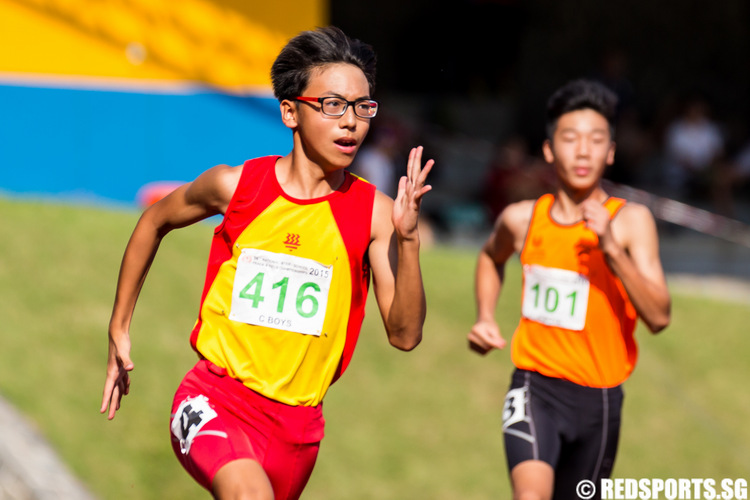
pixel 423 425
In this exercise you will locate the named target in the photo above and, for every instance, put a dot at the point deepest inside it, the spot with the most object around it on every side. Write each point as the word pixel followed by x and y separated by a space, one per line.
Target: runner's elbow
pixel 405 342
pixel 659 323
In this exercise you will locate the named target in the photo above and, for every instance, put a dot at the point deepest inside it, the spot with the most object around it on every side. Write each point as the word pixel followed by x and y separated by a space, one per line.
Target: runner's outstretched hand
pixel 411 189
pixel 485 336
pixel 117 383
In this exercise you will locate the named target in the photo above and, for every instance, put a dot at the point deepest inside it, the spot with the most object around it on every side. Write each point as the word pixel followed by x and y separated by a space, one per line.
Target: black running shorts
pixel 573 428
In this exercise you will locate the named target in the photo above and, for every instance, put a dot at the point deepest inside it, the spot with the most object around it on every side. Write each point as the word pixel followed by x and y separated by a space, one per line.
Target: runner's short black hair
pixel 581 94
pixel 290 73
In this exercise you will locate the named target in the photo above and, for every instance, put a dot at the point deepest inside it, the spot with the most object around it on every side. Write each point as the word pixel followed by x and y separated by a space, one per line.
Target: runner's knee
pixel 242 480
pixel 250 494
pixel 532 480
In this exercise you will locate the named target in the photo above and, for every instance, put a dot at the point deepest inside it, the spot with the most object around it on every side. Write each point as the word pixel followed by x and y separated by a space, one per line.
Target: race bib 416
pixel 280 291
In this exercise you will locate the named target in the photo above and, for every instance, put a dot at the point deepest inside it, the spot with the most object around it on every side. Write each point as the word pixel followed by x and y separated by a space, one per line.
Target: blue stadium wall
pixel 100 145
pixel 100 97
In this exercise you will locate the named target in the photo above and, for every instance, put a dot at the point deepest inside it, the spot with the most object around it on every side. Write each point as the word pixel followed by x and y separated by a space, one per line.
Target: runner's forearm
pixel 488 285
pixel 650 300
pixel 136 262
pixel 408 309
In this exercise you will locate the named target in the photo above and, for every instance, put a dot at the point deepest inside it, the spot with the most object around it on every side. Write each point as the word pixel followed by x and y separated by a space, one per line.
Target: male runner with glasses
pixel 590 268
pixel 287 279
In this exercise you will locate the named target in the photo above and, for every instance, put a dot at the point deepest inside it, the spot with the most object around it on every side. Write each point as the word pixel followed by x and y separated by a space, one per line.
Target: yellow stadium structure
pixel 102 96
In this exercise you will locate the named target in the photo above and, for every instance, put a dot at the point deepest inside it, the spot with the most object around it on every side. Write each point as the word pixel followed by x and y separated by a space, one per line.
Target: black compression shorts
pixel 573 428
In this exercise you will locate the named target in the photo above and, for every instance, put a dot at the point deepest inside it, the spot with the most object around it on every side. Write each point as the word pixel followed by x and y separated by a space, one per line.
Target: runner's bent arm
pixel 208 195
pixel 631 246
pixel 394 256
pixel 506 238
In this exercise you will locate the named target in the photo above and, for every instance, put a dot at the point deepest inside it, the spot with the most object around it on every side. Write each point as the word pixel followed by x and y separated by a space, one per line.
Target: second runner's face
pixel 580 149
pixel 333 141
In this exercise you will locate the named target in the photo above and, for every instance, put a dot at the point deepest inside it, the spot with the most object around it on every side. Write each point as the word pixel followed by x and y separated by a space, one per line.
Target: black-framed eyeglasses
pixel 337 106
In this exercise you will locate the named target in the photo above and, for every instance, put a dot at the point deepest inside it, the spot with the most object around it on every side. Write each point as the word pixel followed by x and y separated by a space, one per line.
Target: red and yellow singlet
pixel 577 321
pixel 286 286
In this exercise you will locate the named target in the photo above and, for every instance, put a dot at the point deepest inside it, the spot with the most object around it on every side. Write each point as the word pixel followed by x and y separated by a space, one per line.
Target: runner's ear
pixel 549 155
pixel 289 113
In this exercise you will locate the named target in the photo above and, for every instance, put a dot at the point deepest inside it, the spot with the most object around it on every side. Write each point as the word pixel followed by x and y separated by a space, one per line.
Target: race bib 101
pixel 555 297
pixel 280 291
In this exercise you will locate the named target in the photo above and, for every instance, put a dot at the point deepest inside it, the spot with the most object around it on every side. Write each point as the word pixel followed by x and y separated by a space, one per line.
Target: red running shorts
pixel 216 419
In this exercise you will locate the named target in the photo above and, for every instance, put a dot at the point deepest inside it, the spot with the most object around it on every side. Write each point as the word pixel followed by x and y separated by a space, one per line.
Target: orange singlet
pixel 577 321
